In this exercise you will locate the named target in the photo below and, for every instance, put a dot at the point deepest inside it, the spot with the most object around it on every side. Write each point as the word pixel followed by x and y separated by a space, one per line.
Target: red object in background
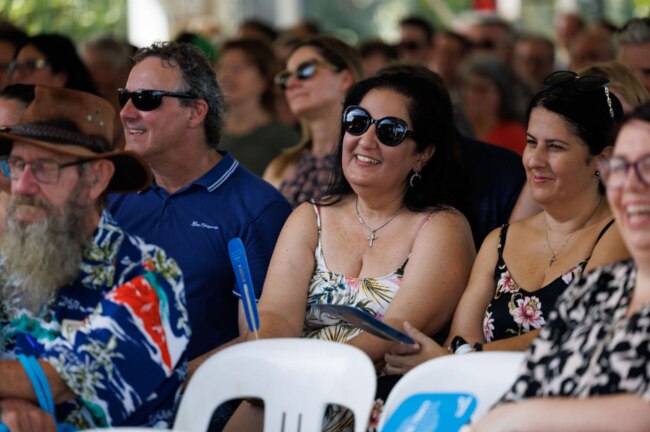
pixel 488 5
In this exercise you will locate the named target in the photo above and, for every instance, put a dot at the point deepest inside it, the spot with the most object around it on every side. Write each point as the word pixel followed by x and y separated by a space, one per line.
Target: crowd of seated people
pixel 399 163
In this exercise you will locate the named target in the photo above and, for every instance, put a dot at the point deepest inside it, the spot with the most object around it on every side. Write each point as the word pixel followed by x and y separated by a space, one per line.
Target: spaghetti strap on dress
pixel 514 310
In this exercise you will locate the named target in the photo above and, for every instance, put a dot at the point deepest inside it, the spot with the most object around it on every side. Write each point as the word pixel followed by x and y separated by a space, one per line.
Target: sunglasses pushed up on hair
pixel 148 100
pixel 585 83
pixel 390 131
pixel 303 72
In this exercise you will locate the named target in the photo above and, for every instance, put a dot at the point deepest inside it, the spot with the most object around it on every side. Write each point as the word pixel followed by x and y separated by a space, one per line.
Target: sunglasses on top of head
pixel 303 72
pixel 586 83
pixel 390 131
pixel 148 100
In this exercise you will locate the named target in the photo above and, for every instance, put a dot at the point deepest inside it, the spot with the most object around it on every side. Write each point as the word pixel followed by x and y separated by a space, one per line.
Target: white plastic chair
pixel 486 375
pixel 296 378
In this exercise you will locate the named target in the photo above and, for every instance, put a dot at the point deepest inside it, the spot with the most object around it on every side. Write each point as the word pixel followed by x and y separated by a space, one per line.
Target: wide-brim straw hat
pixel 80 124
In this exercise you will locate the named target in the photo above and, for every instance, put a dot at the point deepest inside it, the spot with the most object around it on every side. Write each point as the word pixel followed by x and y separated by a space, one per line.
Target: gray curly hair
pixel 198 75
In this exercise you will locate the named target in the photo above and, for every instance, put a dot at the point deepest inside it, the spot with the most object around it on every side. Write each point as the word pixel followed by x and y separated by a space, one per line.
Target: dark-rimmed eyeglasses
pixel 391 131
pixel 27 66
pixel 585 83
pixel 44 170
pixel 148 100
pixel 303 72
pixel 614 171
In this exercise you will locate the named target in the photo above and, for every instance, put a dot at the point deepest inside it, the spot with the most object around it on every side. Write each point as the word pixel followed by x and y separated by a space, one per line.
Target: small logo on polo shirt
pixel 196 224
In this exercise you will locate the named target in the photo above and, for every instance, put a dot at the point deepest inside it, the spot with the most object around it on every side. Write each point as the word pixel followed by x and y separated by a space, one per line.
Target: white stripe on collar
pixel 224 177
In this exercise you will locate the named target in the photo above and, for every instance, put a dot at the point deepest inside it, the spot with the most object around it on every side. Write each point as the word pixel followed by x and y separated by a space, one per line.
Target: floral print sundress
pixel 514 310
pixel 372 295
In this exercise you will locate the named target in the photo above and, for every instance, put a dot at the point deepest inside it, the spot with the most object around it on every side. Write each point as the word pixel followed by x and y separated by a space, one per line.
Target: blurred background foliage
pixel 78 19
pixel 352 20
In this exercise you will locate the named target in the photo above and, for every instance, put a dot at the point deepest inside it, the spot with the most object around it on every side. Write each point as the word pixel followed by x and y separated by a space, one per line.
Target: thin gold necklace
pixel 373 231
pixel 553 258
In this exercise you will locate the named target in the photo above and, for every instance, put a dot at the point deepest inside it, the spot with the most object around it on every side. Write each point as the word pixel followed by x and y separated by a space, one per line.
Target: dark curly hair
pixel 198 76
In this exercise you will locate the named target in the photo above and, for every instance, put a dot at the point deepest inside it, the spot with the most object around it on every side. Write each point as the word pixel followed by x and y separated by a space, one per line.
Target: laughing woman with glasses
pixel 388 239
pixel 589 369
pixel 522 268
pixel 319 72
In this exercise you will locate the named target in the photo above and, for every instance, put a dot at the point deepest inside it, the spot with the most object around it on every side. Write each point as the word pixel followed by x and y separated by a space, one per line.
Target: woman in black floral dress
pixel 522 268
pixel 589 369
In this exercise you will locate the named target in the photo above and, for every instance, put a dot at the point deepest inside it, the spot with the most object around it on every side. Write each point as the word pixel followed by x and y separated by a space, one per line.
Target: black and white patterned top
pixel 589 347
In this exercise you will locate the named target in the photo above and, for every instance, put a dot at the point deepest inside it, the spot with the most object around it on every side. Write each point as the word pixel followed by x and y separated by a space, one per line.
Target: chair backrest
pixel 486 375
pixel 296 378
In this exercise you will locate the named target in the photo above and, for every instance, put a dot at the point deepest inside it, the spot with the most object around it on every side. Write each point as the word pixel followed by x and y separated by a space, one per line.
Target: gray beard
pixel 42 257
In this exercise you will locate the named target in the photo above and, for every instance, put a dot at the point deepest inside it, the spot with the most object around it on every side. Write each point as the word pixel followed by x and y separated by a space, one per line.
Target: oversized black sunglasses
pixel 391 131
pixel 303 72
pixel 585 83
pixel 148 100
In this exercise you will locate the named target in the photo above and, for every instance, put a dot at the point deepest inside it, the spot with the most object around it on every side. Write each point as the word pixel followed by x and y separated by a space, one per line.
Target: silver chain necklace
pixel 373 231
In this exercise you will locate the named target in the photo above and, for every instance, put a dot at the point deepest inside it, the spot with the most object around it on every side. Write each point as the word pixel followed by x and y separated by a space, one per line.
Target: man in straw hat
pixel 100 311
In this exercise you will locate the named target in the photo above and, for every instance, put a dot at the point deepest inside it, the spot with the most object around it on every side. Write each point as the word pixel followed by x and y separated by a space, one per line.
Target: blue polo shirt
pixel 194 225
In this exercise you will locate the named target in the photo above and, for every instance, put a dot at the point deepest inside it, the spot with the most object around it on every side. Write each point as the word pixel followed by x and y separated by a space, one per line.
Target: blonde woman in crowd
pixel 319 73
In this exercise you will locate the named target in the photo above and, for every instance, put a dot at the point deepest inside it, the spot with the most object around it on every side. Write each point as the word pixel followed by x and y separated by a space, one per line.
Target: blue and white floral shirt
pixel 117 335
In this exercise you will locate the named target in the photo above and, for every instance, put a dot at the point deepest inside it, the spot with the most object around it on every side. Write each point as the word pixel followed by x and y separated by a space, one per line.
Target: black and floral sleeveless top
pixel 513 310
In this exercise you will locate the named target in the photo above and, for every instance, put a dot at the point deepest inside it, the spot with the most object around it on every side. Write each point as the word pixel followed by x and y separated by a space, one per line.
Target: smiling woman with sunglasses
pixel 320 70
pixel 387 239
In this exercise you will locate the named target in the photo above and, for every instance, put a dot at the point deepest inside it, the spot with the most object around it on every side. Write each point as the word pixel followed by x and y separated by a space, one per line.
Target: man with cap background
pixel 87 310
pixel 200 197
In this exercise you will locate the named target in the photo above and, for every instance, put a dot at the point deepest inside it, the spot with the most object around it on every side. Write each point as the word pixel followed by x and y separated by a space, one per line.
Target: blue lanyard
pixel 41 388
pixel 39 382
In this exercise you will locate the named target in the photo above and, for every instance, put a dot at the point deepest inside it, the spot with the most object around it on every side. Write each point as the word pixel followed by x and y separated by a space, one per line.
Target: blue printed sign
pixel 432 412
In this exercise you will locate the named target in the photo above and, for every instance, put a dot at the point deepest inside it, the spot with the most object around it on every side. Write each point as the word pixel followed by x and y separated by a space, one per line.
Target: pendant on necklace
pixel 551 260
pixel 371 238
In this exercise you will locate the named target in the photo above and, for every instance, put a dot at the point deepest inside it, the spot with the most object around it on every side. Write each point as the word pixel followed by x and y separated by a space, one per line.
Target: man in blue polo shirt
pixel 200 197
